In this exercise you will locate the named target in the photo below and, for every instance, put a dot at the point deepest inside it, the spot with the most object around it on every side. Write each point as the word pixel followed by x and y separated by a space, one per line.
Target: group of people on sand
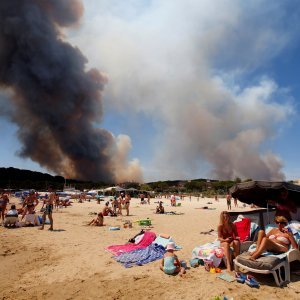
pixel 120 202
pixel 123 201
pixel 11 218
pixel 277 240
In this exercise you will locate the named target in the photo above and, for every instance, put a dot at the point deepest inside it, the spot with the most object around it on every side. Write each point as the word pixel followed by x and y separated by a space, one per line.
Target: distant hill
pixel 23 179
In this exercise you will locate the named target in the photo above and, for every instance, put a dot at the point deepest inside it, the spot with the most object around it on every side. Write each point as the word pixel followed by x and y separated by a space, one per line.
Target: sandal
pixel 251 281
pixel 240 277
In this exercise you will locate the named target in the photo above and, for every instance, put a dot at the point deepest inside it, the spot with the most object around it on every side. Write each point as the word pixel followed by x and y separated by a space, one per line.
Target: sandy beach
pixel 71 262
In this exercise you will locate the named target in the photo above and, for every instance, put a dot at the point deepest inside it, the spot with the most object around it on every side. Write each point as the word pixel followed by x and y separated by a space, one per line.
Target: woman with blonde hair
pixel 228 237
pixel 277 240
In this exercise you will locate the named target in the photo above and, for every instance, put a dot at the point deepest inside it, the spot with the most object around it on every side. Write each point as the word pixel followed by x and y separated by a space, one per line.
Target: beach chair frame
pixel 282 267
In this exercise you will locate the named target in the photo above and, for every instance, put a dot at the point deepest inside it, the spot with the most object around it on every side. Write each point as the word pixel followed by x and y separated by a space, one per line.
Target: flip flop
pixel 251 281
pixel 240 277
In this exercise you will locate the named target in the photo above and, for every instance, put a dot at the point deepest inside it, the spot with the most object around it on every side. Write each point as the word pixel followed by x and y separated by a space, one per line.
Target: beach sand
pixel 71 262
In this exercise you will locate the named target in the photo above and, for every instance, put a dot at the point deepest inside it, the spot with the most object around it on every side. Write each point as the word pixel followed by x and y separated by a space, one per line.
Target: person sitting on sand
pixel 66 201
pixel 278 240
pixel 11 217
pixel 98 221
pixel 228 237
pixel 107 210
pixel 170 264
pixel 160 209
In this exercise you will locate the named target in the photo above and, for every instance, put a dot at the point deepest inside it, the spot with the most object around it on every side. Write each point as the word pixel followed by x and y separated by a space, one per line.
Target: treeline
pixel 15 179
pixel 12 178
pixel 196 186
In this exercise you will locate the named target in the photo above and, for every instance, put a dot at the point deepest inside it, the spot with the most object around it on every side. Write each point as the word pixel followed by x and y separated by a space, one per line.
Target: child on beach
pixel 170 264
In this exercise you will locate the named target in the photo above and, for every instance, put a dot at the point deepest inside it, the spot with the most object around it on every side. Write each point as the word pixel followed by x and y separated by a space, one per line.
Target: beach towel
pixel 165 241
pixel 227 277
pixel 209 251
pixel 243 228
pixel 142 256
pixel 148 238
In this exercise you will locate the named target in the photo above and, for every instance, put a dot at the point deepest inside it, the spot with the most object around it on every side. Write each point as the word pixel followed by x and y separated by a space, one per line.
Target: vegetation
pixel 11 178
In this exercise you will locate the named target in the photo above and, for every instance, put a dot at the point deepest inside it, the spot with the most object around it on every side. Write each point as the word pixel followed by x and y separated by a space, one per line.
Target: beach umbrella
pixel 261 192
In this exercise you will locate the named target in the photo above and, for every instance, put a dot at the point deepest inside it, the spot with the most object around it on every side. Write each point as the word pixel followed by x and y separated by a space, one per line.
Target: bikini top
pixel 280 238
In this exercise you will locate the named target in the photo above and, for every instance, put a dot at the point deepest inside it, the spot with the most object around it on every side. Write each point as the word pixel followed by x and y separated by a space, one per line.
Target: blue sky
pixel 200 89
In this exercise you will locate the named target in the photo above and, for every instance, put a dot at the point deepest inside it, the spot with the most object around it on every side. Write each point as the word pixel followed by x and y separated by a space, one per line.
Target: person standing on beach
pixel 127 203
pixel 235 201
pixel 120 202
pixel 49 208
pixel 149 198
pixel 3 203
pixel 30 203
pixel 228 199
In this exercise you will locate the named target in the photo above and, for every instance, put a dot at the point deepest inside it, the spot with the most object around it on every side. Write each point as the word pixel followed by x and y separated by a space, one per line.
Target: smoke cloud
pixel 185 66
pixel 55 100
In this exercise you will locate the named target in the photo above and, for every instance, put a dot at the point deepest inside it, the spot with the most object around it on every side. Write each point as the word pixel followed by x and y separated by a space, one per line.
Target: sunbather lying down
pixel 278 240
pixel 173 213
pixel 98 221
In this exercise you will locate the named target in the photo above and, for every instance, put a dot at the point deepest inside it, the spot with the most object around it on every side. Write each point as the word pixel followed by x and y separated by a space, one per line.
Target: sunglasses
pixel 282 223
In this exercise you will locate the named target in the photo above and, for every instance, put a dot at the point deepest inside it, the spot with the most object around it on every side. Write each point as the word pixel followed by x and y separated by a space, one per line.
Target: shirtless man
pixel 49 208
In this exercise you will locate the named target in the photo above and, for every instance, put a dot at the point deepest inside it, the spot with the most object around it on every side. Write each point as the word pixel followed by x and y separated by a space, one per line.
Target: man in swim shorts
pixel 49 202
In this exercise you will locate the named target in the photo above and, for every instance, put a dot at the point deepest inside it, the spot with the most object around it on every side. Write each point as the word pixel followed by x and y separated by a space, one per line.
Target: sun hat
pixel 171 246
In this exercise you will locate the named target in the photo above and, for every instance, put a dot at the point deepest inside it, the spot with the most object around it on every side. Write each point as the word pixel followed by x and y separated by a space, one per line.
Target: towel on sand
pixel 165 241
pixel 148 238
pixel 209 251
pixel 141 256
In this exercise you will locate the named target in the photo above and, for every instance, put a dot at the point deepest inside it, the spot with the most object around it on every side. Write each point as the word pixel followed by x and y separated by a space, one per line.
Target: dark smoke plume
pixel 55 100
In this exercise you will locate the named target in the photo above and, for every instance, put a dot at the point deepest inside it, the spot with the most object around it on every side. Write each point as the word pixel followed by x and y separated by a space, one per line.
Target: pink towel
pixel 149 237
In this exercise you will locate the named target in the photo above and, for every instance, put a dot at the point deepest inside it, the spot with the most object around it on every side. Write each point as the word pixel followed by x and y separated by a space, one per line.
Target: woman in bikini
pixel 3 203
pixel 277 240
pixel 30 203
pixel 98 221
pixel 127 203
pixel 228 237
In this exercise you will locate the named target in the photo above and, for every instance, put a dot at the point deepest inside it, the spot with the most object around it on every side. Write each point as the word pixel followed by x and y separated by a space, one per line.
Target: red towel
pixel 243 229
pixel 148 238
